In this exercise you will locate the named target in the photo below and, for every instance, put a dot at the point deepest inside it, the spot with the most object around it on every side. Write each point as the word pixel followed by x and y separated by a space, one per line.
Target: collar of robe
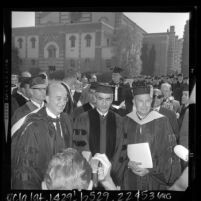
pixel 150 117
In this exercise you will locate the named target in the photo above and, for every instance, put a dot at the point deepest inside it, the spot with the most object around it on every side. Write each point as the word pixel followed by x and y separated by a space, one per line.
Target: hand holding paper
pixel 136 169
pixel 140 153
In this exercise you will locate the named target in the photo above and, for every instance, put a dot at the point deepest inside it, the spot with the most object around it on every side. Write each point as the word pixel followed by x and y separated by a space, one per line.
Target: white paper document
pixel 140 153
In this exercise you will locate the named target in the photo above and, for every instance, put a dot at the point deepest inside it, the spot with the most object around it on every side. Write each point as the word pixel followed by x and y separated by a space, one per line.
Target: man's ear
pixel 90 185
pixel 44 186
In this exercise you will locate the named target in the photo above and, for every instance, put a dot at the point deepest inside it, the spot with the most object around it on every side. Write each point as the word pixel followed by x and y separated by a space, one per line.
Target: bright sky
pixel 150 22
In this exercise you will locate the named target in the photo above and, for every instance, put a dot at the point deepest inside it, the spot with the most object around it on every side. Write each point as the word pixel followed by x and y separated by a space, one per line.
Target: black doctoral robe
pixel 172 119
pixel 156 130
pixel 23 111
pixel 100 135
pixel 32 147
pixel 17 100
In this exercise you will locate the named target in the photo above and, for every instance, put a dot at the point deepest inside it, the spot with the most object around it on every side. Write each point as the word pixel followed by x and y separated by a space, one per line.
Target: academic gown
pixel 171 115
pixel 100 135
pixel 17 101
pixel 32 147
pixel 23 111
pixel 156 130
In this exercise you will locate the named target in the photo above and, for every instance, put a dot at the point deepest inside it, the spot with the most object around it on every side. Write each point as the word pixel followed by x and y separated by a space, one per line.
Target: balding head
pixel 56 97
pixel 54 86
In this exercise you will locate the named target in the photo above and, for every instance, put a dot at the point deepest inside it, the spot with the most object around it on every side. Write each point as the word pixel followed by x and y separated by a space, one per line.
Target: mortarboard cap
pixel 117 70
pixel 24 80
pixel 104 88
pixel 38 82
pixel 141 87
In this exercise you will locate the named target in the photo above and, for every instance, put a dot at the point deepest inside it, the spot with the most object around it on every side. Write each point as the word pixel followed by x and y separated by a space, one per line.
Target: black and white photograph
pixel 100 101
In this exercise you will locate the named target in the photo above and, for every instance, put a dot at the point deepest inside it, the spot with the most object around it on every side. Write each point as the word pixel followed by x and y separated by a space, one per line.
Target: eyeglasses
pixel 158 96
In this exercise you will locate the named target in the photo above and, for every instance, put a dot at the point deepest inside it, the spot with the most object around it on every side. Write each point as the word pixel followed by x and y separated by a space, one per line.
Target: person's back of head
pixel 66 171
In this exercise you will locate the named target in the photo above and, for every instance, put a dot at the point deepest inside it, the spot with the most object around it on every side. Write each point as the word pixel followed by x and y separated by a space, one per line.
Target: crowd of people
pixel 62 124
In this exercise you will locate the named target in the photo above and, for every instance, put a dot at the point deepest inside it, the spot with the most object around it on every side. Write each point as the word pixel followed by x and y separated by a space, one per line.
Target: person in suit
pixel 38 87
pixel 122 100
pixel 168 100
pixel 156 106
pixel 42 135
pixel 91 103
pixel 178 87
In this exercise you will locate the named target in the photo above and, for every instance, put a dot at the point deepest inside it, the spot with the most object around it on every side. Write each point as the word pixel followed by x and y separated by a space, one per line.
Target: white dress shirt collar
pixel 101 113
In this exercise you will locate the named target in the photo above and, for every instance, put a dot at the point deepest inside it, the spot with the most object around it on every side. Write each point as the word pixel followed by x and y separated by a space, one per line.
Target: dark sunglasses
pixel 158 96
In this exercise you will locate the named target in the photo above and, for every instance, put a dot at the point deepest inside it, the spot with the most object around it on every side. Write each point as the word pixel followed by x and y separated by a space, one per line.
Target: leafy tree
pixel 127 49
pixel 144 58
pixel 152 59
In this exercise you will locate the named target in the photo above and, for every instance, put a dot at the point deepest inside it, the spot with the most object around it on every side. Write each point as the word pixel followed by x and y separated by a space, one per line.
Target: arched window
pixel 33 42
pixel 104 19
pixel 51 51
pixel 88 40
pixel 72 40
pixel 20 42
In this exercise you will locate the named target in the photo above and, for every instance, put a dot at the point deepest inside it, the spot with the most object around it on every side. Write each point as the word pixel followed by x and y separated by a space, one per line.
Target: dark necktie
pixel 57 121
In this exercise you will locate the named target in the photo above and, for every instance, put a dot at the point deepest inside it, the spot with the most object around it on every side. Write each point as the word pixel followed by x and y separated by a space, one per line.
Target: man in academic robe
pixel 21 96
pixel 38 87
pixel 122 100
pixel 143 125
pixel 90 104
pixel 156 106
pixel 99 130
pixel 42 135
